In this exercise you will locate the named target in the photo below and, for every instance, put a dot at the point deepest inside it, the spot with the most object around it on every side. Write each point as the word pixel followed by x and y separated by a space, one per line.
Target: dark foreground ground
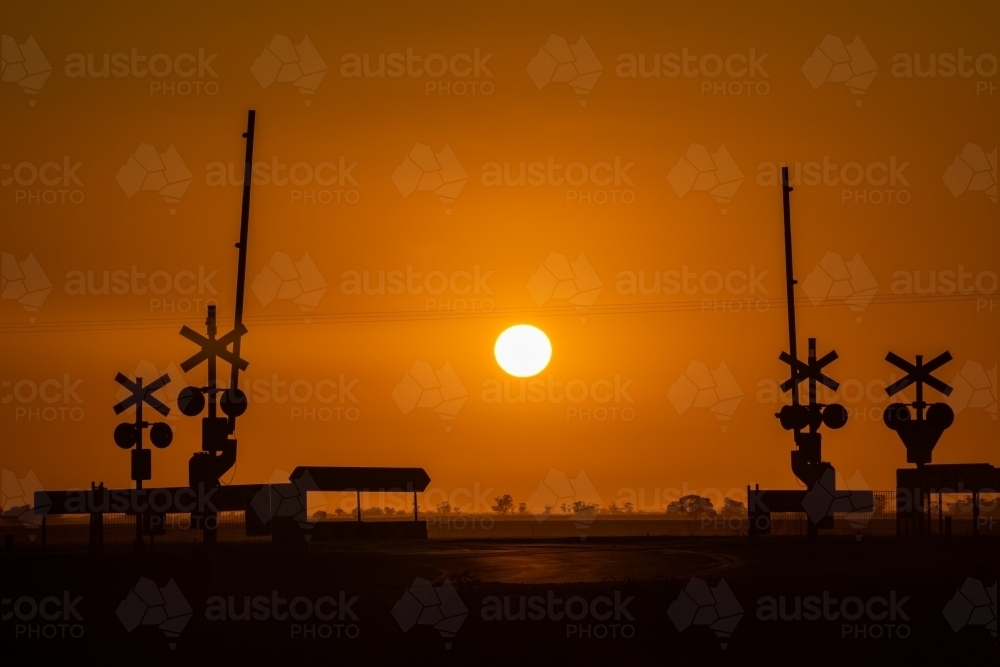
pixel 607 601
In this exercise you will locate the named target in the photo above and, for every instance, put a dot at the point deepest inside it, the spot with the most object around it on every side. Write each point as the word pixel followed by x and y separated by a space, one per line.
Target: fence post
pixel 940 515
pixel 975 513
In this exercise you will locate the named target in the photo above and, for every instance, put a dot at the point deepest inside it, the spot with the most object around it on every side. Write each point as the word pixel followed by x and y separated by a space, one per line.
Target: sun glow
pixel 523 350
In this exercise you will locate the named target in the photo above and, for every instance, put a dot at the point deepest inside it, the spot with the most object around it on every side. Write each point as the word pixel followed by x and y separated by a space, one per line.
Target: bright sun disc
pixel 523 350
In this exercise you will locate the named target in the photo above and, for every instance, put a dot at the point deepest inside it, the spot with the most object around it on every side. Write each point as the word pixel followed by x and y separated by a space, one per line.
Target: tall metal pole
pixel 212 329
pixel 813 426
pixel 241 270
pixel 919 404
pixel 138 544
pixel 789 279
pixel 138 427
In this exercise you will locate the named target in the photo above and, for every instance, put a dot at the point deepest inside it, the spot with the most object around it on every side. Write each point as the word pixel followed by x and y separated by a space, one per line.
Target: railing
pixel 178 531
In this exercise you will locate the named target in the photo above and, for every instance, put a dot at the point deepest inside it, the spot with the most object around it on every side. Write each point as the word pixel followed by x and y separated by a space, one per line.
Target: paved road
pixel 535 563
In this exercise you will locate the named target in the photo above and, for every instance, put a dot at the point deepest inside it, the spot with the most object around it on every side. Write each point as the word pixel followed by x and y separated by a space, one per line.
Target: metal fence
pixel 179 531
pixel 880 522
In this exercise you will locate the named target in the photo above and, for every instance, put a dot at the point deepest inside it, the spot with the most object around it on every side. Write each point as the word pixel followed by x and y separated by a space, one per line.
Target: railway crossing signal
pixel 809 371
pixel 191 400
pixel 796 417
pixel 807 458
pixel 804 420
pixel 211 347
pixel 919 435
pixel 218 454
pixel 129 436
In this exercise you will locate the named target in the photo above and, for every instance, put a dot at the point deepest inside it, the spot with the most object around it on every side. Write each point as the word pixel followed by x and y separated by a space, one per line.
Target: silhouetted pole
pixel 212 365
pixel 138 432
pixel 789 276
pixel 975 513
pixel 813 426
pixel 209 535
pixel 919 404
pixel 241 269
pixel 138 483
pixel 940 515
pixel 790 281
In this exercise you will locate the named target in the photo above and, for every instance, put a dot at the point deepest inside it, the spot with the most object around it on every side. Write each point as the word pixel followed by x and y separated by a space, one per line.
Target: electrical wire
pixel 748 305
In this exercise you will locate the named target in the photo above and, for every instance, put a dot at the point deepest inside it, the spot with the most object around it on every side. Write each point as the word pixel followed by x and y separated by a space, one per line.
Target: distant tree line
pixel 691 505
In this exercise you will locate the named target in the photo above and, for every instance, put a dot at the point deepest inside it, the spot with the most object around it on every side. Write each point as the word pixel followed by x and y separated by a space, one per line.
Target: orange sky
pixel 339 145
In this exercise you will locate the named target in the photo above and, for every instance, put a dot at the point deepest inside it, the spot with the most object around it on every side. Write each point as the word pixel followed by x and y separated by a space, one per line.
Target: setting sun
pixel 523 350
